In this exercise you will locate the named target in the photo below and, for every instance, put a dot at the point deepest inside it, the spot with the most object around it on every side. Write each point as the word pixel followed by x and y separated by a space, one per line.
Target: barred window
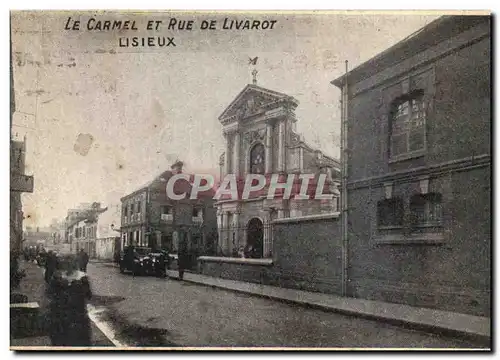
pixel 166 209
pixel 408 124
pixel 390 212
pixel 426 209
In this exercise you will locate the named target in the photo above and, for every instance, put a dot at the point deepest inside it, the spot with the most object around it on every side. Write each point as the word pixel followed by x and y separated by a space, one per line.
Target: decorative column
pixel 219 230
pixel 225 228
pixel 281 146
pixel 267 234
pixel 236 154
pixel 159 245
pixel 227 156
pixel 236 230
pixel 269 147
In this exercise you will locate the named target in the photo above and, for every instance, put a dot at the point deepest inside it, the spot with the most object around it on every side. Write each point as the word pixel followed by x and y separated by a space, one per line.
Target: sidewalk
pixel 27 320
pixel 446 323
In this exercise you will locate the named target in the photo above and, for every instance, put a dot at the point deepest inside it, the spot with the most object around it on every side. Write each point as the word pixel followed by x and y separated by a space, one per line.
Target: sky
pixel 101 120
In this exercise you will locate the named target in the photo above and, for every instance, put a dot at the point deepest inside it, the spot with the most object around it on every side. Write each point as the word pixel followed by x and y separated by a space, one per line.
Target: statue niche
pixel 257 159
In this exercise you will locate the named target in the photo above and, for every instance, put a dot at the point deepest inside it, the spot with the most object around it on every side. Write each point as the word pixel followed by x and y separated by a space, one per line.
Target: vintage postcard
pixel 250 180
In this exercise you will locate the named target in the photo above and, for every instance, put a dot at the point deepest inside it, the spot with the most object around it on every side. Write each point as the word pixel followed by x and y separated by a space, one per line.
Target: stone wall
pixel 306 256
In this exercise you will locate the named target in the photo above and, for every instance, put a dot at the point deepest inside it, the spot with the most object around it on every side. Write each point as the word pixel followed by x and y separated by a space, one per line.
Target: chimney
pixel 177 167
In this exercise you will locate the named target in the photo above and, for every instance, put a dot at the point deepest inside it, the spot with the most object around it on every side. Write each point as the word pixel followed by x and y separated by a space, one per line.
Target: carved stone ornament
pixel 251 105
pixel 256 135
pixel 388 190
pixel 424 186
pixel 294 139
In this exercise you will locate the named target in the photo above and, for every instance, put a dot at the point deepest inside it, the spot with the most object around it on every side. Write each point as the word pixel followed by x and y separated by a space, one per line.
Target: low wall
pixel 306 256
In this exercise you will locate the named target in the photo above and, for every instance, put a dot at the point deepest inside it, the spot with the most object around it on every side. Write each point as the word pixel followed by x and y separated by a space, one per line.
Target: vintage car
pixel 138 260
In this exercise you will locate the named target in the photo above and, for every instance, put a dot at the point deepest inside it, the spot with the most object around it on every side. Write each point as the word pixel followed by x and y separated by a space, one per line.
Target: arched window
pixel 257 159
pixel 408 124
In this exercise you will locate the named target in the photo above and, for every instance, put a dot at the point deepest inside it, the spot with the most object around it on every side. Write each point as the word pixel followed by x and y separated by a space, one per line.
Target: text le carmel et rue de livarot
pixel 172 24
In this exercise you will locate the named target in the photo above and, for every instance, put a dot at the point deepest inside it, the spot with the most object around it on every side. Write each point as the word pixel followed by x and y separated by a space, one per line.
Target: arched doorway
pixel 255 239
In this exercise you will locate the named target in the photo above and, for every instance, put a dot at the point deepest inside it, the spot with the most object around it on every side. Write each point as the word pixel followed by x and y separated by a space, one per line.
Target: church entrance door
pixel 255 239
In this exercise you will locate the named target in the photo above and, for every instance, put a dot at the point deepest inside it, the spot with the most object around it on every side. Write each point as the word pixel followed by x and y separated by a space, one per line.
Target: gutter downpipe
pixel 344 158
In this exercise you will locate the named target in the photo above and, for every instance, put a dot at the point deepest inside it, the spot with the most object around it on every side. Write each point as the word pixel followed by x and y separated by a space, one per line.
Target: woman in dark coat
pixel 69 291
pixel 50 265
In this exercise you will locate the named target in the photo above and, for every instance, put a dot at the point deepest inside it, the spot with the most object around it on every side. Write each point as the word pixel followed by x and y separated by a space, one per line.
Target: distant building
pixel 150 218
pixel 419 169
pixel 81 228
pixel 107 243
pixel 19 181
pixel 37 236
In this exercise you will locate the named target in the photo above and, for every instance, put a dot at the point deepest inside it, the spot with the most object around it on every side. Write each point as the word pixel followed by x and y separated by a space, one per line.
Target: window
pixel 166 242
pixel 125 211
pixel 196 212
pixel 408 124
pixel 426 210
pixel 257 159
pixel 132 209
pixel 390 213
pixel 166 209
pixel 139 207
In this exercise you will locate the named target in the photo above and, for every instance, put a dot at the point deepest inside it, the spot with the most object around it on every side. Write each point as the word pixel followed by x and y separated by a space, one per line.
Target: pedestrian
pixel 161 270
pixel 83 260
pixel 182 261
pixel 69 291
pixel 50 265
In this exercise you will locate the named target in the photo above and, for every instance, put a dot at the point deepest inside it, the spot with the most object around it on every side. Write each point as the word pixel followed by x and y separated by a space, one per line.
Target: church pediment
pixel 250 101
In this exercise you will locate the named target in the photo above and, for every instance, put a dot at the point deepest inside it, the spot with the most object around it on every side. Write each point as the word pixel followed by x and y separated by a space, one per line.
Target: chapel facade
pixel 259 127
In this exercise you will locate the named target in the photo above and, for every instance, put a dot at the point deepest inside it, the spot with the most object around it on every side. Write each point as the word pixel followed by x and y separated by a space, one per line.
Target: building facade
pixel 259 127
pixel 19 183
pixel 81 227
pixel 419 169
pixel 150 218
pixel 108 243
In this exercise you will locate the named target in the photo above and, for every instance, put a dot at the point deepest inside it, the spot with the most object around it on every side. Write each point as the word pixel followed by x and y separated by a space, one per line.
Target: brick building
pixel 150 218
pixel 419 169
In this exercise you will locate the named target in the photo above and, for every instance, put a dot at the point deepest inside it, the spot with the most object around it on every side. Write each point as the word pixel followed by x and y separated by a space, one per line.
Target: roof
pixel 430 35
pixel 88 215
pixel 252 87
pixel 180 186
pixel 165 174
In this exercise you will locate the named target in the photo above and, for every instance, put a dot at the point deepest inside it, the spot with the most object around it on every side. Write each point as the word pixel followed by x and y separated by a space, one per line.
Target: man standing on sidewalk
pixel 182 261
pixel 83 260
pixel 50 265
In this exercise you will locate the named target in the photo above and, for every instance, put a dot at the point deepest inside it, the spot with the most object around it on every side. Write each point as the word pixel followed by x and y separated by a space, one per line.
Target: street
pixel 148 311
